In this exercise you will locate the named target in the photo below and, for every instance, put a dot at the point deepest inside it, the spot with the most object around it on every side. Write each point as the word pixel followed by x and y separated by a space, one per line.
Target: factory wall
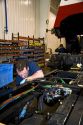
pixel 53 41
pixel 28 17
pixel 22 16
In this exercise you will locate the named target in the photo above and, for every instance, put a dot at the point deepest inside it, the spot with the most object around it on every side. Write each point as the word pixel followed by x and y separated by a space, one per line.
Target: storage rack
pixel 9 49
pixel 35 48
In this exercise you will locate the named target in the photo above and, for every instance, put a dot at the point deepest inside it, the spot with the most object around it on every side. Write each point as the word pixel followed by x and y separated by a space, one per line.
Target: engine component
pixel 51 96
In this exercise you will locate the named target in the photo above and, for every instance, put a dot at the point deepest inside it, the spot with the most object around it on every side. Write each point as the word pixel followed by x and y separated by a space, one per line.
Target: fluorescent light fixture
pixel 26 2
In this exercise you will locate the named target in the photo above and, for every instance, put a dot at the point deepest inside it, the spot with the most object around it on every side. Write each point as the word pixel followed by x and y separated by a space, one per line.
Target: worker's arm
pixel 36 75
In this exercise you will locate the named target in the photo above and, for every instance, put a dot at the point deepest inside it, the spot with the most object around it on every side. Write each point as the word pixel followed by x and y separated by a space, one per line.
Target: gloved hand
pixel 26 79
pixel 23 81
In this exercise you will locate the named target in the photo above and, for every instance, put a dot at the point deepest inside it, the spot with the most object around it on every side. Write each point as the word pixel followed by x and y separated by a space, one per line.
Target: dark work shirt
pixel 61 50
pixel 33 68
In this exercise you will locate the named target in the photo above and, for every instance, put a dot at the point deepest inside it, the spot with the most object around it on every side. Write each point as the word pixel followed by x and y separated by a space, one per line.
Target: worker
pixel 61 49
pixel 28 71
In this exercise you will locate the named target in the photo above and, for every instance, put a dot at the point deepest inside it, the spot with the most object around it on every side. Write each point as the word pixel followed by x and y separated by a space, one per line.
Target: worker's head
pixel 61 45
pixel 22 68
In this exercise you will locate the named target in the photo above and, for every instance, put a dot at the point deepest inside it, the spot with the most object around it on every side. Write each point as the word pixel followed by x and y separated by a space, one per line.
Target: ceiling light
pixel 26 2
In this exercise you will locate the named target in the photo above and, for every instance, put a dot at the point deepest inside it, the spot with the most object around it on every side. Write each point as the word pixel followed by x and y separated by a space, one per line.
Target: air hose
pixel 63 82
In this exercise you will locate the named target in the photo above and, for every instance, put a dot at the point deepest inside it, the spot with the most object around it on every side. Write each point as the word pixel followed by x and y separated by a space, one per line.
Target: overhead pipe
pixel 6 21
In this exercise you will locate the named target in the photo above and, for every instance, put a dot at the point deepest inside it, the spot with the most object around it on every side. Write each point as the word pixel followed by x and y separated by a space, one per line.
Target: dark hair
pixel 20 64
pixel 61 45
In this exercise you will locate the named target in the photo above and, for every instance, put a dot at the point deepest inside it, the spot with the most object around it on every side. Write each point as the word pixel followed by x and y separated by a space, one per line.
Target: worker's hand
pixel 23 81
pixel 29 79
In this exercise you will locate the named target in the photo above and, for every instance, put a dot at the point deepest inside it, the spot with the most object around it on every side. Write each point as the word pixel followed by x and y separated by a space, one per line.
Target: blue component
pixel 23 112
pixel 6 74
